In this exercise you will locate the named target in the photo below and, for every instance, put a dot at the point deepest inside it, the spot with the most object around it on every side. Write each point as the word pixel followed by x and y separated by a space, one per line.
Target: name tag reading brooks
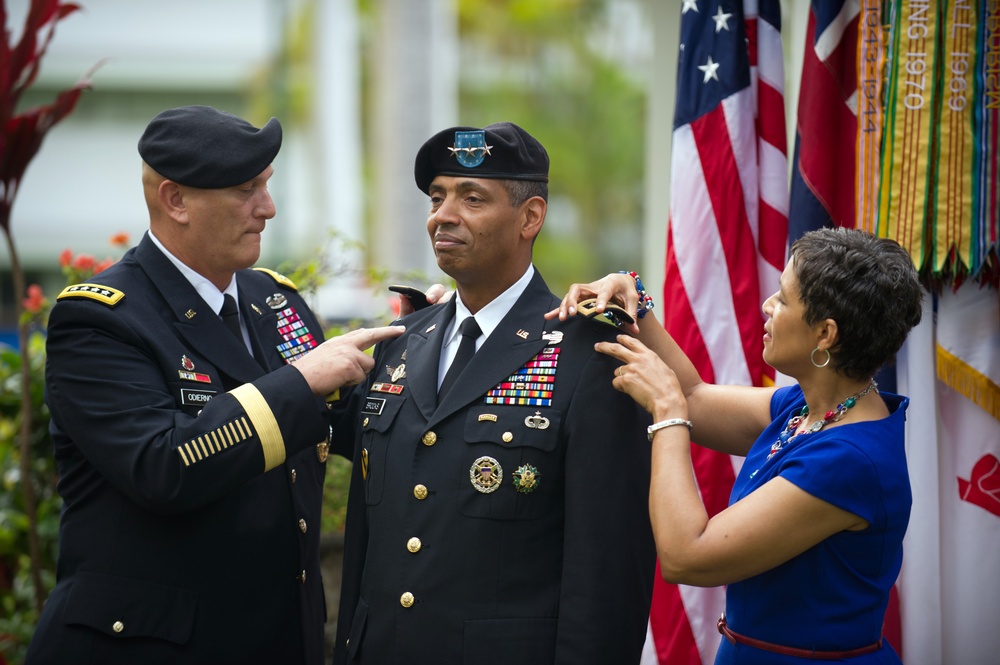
pixel 374 405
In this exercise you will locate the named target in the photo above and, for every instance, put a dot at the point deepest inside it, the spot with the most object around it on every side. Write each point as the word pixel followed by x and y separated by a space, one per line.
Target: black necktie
pixel 470 333
pixel 230 314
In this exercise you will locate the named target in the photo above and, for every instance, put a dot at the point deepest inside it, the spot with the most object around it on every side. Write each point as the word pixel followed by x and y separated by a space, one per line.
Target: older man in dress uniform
pixel 497 510
pixel 191 446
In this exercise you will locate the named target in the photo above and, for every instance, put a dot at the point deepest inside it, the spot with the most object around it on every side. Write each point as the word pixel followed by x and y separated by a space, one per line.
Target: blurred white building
pixel 241 56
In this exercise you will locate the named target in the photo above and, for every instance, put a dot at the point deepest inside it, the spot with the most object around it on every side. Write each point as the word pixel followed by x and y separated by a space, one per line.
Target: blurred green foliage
pixel 17 608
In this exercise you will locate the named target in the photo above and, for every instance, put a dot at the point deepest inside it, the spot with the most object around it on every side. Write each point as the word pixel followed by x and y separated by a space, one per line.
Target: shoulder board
pixel 613 314
pixel 279 278
pixel 102 294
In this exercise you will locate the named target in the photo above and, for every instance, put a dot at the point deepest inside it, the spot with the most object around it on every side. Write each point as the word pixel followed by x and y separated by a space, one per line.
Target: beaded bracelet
pixel 645 300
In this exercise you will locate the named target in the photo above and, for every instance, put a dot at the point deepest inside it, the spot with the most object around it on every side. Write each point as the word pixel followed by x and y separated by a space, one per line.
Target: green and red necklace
pixel 789 433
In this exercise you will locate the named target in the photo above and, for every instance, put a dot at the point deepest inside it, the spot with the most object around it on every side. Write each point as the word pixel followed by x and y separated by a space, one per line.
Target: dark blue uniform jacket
pixel 190 472
pixel 507 523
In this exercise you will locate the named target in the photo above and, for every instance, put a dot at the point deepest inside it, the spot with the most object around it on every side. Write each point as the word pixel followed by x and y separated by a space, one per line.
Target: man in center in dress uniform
pixel 498 513
pixel 191 447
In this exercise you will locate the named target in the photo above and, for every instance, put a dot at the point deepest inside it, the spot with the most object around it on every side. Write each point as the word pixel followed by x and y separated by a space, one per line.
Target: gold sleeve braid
pixel 262 419
pixel 206 445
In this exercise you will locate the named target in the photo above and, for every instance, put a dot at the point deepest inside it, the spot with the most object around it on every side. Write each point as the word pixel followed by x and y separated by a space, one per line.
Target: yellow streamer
pixel 871 62
pixel 956 145
pixel 904 172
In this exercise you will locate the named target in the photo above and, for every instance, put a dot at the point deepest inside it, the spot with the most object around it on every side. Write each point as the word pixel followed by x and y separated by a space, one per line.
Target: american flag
pixel 726 246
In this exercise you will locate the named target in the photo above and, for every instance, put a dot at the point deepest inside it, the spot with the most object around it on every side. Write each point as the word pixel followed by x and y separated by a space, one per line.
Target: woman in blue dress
pixel 811 542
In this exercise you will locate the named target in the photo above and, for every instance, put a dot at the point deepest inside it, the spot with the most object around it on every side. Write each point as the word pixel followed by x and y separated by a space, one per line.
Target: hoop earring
pixel 812 358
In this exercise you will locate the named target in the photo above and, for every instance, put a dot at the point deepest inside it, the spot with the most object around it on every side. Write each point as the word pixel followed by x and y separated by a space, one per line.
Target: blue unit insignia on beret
pixel 470 148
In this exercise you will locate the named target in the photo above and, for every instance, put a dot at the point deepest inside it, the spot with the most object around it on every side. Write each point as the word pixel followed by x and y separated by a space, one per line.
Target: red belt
pixel 736 638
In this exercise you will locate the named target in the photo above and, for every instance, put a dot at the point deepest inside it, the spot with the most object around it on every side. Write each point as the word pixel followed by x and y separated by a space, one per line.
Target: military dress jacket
pixel 509 522
pixel 190 473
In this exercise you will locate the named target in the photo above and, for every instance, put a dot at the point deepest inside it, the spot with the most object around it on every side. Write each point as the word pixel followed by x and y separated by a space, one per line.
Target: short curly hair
pixel 868 285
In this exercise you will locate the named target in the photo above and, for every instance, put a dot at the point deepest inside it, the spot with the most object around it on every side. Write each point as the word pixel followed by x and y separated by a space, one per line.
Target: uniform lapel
pixel 513 343
pixel 194 320
pixel 423 355
pixel 261 322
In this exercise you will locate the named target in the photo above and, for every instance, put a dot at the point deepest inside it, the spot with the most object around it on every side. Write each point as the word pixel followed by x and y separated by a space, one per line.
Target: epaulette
pixel 102 294
pixel 612 314
pixel 279 278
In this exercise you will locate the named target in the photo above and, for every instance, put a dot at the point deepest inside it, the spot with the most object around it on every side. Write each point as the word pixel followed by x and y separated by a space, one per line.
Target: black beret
pixel 200 146
pixel 501 151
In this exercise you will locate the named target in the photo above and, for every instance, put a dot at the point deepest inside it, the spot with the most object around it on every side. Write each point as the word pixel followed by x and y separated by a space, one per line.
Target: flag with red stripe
pixel 825 163
pixel 726 245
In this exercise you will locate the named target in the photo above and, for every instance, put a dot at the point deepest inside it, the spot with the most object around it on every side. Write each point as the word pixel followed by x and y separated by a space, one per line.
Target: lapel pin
pixel 254 307
pixel 523 334
pixel 190 314
pixel 431 328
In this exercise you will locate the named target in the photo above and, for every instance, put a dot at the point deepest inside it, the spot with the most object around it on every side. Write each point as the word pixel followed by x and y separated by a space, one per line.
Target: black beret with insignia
pixel 501 151
pixel 200 146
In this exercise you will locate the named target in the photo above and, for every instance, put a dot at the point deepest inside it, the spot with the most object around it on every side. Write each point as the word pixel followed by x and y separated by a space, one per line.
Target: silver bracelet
pixel 670 422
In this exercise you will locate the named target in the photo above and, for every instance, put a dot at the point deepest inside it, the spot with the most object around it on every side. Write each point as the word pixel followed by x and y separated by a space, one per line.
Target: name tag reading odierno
pixel 191 397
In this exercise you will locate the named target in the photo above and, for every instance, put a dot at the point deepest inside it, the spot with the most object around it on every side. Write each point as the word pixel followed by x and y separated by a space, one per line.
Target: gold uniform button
pixel 407 599
pixel 302 526
pixel 429 439
pixel 118 626
pixel 301 577
pixel 365 423
pixel 507 437
pixel 294 476
pixel 420 491
pixel 414 545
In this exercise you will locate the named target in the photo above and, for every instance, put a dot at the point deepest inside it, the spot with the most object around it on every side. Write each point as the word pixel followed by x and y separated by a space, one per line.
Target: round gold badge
pixel 486 475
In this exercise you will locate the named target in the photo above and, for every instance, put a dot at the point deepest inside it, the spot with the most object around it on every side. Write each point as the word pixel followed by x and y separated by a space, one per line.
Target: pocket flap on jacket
pixel 125 607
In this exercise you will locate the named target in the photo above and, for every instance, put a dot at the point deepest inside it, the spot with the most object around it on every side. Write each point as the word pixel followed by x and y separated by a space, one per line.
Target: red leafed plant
pixel 21 136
